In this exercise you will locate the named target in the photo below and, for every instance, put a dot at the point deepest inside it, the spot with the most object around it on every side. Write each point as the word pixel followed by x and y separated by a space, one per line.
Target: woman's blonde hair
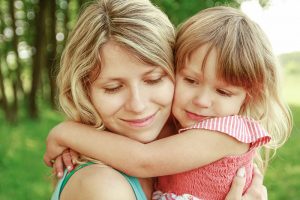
pixel 245 59
pixel 136 25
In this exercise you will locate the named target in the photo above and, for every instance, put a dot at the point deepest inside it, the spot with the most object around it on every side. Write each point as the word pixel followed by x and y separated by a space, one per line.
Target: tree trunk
pixel 38 58
pixel 51 55
pixel 3 96
pixel 66 21
pixel 15 106
pixel 9 115
pixel 15 47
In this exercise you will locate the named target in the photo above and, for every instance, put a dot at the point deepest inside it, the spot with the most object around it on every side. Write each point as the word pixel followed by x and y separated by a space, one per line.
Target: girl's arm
pixel 174 154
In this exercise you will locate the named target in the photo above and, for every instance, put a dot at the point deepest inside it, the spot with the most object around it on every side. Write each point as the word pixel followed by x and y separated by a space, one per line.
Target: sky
pixel 280 20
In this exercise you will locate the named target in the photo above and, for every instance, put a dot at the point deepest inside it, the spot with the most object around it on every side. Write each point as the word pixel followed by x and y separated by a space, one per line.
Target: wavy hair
pixel 136 25
pixel 245 58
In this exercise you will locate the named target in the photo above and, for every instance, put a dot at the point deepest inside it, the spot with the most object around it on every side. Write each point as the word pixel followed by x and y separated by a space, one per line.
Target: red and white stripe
pixel 244 129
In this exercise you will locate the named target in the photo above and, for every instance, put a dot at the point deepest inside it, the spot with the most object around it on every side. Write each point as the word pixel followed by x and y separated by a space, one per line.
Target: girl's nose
pixel 202 99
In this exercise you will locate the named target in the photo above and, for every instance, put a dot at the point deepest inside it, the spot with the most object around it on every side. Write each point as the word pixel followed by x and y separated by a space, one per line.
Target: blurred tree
pixel 38 59
pixel 51 49
pixel 3 98
pixel 8 64
pixel 15 43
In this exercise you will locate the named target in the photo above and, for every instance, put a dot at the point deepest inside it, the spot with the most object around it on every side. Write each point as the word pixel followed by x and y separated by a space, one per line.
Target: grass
pixel 23 175
pixel 283 175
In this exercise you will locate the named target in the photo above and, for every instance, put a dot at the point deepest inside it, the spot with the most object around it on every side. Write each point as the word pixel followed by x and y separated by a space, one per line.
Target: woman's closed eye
pixel 154 80
pixel 112 90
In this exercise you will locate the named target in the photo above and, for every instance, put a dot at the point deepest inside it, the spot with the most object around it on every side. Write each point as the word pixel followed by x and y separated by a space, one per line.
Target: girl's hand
pixel 256 190
pixel 53 148
pixel 66 160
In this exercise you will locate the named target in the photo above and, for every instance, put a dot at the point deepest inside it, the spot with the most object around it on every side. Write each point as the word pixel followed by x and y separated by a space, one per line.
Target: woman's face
pixel 133 98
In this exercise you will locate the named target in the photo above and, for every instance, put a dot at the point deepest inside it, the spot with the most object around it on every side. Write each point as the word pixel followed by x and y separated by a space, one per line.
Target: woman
pixel 117 74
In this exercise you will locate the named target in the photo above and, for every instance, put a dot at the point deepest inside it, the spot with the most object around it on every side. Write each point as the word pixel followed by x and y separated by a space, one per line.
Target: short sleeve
pixel 244 129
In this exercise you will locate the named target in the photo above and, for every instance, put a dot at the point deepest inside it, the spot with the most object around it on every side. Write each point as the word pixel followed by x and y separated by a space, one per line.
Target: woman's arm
pixel 256 190
pixel 174 154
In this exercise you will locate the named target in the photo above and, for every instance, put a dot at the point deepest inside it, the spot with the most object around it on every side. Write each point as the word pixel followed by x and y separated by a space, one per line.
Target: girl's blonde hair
pixel 136 25
pixel 245 59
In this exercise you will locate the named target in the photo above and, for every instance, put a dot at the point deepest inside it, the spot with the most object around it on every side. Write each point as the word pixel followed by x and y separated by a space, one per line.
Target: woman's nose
pixel 136 102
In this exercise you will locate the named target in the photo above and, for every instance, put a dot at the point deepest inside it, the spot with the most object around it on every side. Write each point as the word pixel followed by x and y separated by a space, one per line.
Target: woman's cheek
pixel 165 94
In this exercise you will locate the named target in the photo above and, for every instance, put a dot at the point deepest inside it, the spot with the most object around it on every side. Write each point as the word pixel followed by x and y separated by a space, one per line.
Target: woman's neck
pixel 169 128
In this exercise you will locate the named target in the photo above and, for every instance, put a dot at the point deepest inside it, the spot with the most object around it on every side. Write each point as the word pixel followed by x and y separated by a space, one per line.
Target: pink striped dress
pixel 213 181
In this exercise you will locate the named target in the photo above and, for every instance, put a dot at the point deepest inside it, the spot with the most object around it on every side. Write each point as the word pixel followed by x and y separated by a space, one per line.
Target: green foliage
pixel 291 70
pixel 23 174
pixel 282 178
pixel 179 10
pixel 291 62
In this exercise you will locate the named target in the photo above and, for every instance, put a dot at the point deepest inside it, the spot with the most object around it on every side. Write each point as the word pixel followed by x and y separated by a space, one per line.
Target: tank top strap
pixel 68 175
pixel 133 181
pixel 63 181
pixel 136 186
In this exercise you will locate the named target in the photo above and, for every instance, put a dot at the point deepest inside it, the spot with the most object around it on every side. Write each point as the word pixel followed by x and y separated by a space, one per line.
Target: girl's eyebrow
pixel 225 85
pixel 190 71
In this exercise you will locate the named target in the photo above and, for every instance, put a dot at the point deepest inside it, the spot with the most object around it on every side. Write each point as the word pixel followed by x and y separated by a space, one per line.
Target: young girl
pixel 227 94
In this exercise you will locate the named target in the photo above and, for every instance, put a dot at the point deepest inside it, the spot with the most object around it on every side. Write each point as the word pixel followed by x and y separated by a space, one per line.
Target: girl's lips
pixel 140 122
pixel 194 116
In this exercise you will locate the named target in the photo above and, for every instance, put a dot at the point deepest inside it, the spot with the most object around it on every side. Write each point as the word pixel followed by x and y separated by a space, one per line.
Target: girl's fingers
pixel 67 160
pixel 54 173
pixel 74 156
pixel 59 167
pixel 48 161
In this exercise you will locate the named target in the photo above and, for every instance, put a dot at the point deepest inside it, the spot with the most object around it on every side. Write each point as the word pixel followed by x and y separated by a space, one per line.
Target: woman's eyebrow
pixel 154 69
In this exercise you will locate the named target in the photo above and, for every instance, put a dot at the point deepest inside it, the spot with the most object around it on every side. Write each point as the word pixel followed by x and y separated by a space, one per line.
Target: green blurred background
pixel 32 36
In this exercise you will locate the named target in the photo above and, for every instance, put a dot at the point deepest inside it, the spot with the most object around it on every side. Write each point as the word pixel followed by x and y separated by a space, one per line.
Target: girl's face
pixel 200 94
pixel 133 98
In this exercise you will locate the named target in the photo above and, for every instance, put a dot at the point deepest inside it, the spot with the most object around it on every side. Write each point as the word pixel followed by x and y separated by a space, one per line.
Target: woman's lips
pixel 140 122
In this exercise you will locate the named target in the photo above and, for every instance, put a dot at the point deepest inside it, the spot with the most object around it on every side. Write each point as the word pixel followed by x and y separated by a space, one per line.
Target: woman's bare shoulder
pixel 97 181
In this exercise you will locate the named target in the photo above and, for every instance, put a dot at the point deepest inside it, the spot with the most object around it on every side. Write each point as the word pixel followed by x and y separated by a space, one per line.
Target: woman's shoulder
pixel 97 181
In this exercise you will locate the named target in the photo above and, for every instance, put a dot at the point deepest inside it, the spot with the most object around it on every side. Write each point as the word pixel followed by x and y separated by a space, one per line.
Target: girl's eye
pixel 154 81
pixel 112 90
pixel 224 93
pixel 190 80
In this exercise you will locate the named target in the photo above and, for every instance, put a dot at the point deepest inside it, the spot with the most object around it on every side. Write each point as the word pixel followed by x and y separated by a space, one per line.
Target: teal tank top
pixel 133 181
